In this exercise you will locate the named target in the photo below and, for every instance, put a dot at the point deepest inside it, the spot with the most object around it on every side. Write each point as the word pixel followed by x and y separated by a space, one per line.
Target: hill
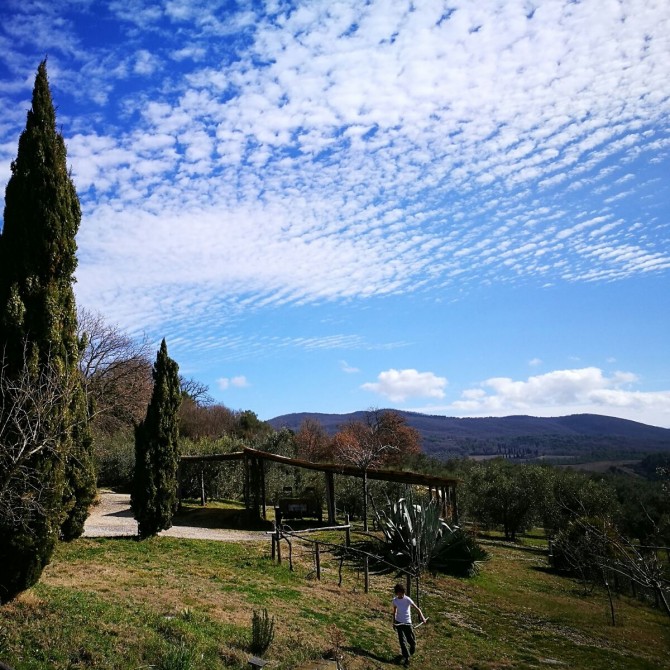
pixel 170 602
pixel 522 436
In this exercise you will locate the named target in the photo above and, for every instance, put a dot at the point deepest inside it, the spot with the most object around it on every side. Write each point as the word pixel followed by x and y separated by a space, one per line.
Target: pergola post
pixel 247 477
pixel 263 502
pixel 454 508
pixel 255 479
pixel 330 496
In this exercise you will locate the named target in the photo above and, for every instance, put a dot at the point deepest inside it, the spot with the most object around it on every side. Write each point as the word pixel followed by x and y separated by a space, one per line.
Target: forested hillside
pixel 523 436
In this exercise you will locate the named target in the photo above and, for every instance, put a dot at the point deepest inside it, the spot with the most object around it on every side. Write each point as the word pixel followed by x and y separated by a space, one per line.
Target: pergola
pixel 441 488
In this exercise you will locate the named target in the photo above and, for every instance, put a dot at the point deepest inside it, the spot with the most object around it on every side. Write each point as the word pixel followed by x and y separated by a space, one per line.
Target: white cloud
pixel 240 382
pixel 398 385
pixel 565 392
pixel 145 63
pixel 349 369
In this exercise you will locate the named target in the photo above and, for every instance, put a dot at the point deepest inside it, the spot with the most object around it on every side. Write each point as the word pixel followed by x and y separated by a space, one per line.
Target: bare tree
pixel 33 418
pixel 117 372
pixel 366 444
pixel 595 549
pixel 198 422
pixel 197 391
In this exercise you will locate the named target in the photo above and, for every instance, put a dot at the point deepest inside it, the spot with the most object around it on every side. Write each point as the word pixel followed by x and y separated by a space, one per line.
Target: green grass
pixel 177 604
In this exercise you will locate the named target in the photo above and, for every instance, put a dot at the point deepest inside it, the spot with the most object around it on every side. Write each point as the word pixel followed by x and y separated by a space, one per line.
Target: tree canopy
pixel 154 496
pixel 38 333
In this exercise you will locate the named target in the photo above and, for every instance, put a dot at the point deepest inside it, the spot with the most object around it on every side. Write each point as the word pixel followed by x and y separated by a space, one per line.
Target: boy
pixel 402 620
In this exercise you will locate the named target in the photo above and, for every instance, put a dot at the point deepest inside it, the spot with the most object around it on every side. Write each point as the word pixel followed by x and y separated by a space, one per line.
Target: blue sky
pixel 456 208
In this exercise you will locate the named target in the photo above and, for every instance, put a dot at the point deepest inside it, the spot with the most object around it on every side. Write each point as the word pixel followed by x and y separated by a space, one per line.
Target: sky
pixel 457 208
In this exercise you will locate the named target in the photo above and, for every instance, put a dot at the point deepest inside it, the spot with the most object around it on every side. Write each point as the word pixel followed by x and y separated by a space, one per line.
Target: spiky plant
pixel 262 631
pixel 417 539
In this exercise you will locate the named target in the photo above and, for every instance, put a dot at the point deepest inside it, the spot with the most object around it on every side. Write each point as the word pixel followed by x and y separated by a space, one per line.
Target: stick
pixel 418 625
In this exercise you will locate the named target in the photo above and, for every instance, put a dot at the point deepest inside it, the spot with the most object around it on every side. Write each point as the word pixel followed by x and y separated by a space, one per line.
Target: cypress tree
pixel 154 496
pixel 38 328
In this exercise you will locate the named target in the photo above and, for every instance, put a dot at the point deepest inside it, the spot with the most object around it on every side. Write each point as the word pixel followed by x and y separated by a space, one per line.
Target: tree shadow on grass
pixel 359 651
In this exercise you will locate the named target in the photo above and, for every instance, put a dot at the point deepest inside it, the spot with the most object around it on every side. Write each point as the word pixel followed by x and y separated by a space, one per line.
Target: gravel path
pixel 112 517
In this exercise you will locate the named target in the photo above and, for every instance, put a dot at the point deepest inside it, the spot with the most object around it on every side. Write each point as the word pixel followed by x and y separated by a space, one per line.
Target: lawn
pixel 173 604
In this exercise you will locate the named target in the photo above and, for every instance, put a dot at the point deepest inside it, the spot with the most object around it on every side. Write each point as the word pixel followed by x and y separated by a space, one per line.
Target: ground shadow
pixel 219 518
pixel 125 514
pixel 493 541
pixel 359 651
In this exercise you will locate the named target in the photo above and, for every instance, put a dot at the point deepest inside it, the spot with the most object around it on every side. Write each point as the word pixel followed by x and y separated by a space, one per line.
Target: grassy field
pixel 177 604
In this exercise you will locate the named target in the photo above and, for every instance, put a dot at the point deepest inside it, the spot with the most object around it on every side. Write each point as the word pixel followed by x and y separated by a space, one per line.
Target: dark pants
pixel 407 639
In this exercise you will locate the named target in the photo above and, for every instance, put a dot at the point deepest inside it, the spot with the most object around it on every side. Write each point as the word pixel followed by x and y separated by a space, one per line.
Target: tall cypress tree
pixel 38 327
pixel 154 496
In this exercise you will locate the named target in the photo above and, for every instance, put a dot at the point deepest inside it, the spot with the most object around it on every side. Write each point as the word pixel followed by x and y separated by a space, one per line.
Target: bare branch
pixel 33 418
pixel 116 372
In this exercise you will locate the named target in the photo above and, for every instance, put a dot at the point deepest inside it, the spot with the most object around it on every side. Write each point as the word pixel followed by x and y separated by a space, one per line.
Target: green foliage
pixel 154 496
pixel 38 328
pixel 580 548
pixel 417 539
pixel 222 480
pixel 642 510
pixel 80 476
pixel 500 493
pixel 114 456
pixel 262 631
pixel 573 494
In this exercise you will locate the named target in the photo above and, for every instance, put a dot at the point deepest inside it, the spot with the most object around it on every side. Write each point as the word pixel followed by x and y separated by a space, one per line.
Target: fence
pixel 343 551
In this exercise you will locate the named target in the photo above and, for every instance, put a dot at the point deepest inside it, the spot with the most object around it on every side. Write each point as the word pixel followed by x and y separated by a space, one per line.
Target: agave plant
pixel 417 539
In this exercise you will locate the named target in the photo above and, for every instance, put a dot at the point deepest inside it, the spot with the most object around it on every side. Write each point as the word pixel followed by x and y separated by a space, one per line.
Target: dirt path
pixel 112 517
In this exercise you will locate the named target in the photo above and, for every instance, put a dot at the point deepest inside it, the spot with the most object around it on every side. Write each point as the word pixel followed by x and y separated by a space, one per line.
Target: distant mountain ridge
pixel 443 435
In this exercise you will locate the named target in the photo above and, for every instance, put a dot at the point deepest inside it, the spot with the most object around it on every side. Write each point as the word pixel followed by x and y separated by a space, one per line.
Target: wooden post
pixel 330 497
pixel 347 532
pixel 278 547
pixel 454 513
pixel 366 567
pixel 317 555
pixel 179 491
pixel 247 500
pixel 263 502
pixel 203 497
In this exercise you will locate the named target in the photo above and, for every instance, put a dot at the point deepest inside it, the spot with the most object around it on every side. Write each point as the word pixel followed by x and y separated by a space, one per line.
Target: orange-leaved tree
pixel 382 438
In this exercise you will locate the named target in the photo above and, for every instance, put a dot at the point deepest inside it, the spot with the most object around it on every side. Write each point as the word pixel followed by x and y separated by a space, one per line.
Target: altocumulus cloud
pixel 398 385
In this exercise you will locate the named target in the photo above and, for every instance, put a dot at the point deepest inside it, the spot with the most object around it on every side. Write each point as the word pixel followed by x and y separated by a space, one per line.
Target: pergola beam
pixel 254 466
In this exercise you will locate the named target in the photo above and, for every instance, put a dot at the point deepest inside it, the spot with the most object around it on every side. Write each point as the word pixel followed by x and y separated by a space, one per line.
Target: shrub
pixel 262 631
